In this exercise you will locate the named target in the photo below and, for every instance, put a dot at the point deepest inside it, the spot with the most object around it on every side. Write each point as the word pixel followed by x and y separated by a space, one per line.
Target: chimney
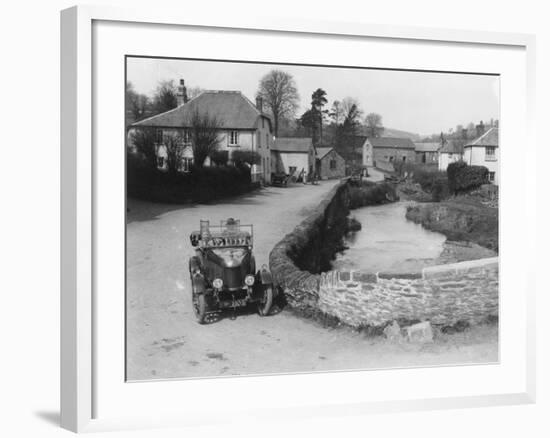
pixel 260 104
pixel 480 129
pixel 181 95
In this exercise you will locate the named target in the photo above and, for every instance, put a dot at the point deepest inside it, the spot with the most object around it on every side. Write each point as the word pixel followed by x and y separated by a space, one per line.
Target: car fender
pixel 265 276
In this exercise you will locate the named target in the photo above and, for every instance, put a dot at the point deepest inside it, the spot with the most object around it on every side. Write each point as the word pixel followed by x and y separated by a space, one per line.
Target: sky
pixel 419 102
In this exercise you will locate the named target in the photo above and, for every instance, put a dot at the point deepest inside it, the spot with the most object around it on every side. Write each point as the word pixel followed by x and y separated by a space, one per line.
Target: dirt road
pixel 164 341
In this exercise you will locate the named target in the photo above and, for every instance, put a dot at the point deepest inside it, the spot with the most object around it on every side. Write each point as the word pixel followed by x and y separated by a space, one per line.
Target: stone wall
pixel 301 255
pixel 445 294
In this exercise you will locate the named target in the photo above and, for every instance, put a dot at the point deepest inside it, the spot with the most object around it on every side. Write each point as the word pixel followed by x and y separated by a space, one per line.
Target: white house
pixel 242 125
pixel 293 155
pixel 449 152
pixel 484 151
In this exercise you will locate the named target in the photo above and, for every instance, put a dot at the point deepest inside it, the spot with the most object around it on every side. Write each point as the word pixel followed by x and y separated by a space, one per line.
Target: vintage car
pixel 223 271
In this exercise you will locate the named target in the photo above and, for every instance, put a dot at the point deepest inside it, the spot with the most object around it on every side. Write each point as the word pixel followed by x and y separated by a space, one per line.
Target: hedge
pixel 201 184
pixel 464 178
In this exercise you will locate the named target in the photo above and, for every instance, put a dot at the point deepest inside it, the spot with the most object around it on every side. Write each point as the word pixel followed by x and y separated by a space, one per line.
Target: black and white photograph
pixel 285 218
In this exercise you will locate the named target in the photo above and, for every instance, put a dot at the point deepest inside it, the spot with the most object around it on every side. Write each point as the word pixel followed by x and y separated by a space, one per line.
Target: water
pixel 389 242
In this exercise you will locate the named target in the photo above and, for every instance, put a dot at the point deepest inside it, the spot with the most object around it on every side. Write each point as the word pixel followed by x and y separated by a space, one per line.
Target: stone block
pixel 393 332
pixel 400 275
pixel 364 277
pixel 345 276
pixel 420 333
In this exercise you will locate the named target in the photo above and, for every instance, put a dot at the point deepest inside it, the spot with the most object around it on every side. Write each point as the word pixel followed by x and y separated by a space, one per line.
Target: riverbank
pixel 459 218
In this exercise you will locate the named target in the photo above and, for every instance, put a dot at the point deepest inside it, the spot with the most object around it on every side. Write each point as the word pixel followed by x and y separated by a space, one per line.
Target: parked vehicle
pixel 223 270
pixel 279 179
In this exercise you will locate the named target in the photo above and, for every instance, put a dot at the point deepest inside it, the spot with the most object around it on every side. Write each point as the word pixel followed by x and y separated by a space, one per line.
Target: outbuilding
pixel 293 156
pixel 330 164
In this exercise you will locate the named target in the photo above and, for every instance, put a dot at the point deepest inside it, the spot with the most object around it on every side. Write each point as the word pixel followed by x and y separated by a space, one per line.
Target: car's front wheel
pixel 199 307
pixel 264 306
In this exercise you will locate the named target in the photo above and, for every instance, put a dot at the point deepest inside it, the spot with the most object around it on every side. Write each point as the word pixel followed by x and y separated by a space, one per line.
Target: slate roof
pixel 451 147
pixel 490 138
pixel 356 141
pixel 231 108
pixel 391 142
pixel 321 152
pixel 426 147
pixel 292 144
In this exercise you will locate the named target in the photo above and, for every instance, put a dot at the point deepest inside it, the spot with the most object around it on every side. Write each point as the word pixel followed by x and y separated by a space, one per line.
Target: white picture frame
pixel 79 199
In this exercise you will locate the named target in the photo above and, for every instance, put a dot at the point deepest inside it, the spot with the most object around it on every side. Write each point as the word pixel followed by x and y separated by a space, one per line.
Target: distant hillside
pixel 390 132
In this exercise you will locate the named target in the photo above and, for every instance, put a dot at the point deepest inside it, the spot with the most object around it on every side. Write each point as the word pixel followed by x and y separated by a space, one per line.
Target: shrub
pixel 464 178
pixel 246 156
pixel 219 157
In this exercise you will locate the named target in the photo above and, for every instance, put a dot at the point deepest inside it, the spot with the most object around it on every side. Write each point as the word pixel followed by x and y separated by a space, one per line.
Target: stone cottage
pixel 386 150
pixel 450 152
pixel 329 163
pixel 242 126
pixel 427 153
pixel 484 151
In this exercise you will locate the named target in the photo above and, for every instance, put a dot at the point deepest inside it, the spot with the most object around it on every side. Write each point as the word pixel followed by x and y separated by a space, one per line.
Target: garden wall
pixel 446 294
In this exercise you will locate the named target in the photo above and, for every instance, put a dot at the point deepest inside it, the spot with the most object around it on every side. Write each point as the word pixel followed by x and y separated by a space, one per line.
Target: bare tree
pixel 165 97
pixel 337 112
pixel 278 90
pixel 144 141
pixel 137 104
pixel 350 106
pixel 174 153
pixel 204 135
pixel 374 126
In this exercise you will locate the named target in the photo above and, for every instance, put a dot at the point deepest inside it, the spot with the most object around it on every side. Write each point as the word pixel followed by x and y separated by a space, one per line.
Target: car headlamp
pixel 218 283
pixel 249 280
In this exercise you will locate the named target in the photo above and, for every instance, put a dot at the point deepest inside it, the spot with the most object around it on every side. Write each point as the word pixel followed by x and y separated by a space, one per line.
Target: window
pixel 332 164
pixel 186 164
pixel 160 162
pixel 233 138
pixel 492 177
pixel 259 139
pixel 267 140
pixel 391 159
pixel 159 136
pixel 490 154
pixel 404 158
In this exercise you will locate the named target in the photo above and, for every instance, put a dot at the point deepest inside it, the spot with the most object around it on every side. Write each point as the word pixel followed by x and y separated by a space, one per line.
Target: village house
pixel 329 164
pixel 450 151
pixel 427 153
pixel 484 151
pixel 387 150
pixel 242 126
pixel 293 155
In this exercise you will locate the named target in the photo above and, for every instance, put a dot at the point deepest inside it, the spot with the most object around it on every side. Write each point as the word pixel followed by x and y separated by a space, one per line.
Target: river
pixel 389 242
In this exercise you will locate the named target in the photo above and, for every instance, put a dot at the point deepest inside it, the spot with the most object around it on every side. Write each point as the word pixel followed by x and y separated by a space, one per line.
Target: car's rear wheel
pixel 264 306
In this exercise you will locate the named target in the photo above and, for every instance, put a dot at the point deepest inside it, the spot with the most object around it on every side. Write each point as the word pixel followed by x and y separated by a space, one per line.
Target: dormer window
pixel 233 138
